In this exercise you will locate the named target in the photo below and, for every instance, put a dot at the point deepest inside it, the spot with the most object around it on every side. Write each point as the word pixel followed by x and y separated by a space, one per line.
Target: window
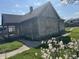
pixel 11 28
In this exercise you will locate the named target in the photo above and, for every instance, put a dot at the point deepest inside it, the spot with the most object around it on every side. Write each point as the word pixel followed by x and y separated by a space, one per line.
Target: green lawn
pixel 6 47
pixel 67 29
pixel 30 54
pixel 75 33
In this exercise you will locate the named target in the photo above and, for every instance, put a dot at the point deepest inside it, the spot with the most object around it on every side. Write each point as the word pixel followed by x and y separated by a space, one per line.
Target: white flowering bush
pixel 59 50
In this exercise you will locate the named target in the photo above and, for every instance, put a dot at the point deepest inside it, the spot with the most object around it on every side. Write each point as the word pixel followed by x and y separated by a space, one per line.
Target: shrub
pixel 65 39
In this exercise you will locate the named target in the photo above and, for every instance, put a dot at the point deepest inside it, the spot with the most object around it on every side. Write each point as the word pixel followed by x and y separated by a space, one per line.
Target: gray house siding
pixel 29 28
pixel 62 26
pixel 48 21
pixel 49 11
pixel 47 26
pixel 18 29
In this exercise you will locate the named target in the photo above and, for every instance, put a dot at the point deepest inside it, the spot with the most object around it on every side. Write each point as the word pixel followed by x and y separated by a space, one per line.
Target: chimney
pixel 31 9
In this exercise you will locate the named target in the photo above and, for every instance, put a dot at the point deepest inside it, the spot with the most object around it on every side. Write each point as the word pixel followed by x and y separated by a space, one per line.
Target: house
pixel 38 23
pixel 72 22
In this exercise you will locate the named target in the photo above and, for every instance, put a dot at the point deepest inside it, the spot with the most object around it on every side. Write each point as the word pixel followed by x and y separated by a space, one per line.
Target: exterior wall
pixel 61 25
pixel 47 26
pixel 49 11
pixel 29 28
pixel 18 29
pixel 49 22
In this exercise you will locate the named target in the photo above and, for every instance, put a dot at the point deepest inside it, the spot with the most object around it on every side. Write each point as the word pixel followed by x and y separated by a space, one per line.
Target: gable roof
pixel 8 18
pixel 39 10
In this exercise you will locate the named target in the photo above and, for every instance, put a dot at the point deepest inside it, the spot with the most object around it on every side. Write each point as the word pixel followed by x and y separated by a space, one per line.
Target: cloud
pixel 17 5
pixel 76 15
pixel 17 12
pixel 64 1
pixel 21 12
pixel 76 2
pixel 21 6
pixel 37 4
pixel 69 1
pixel 58 5
pixel 27 6
pixel 49 0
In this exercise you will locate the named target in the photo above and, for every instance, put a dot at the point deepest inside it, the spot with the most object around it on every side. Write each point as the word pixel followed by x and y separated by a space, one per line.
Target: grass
pixel 29 54
pixel 6 47
pixel 75 33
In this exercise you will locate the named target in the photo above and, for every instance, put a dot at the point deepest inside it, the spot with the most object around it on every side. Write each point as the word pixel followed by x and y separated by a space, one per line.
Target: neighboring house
pixel 38 23
pixel 72 22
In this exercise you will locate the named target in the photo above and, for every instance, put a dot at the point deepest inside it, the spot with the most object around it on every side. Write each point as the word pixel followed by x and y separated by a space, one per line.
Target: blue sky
pixel 22 7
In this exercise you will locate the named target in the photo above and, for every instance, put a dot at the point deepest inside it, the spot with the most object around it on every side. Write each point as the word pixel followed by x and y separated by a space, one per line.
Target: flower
pixel 47 50
pixel 74 55
pixel 70 58
pixel 45 55
pixel 75 48
pixel 61 43
pixel 56 57
pixel 55 41
pixel 49 41
pixel 50 46
pixel 53 38
pixel 66 56
pixel 60 58
pixel 53 50
pixel 42 51
pixel 42 42
pixel 78 58
pixel 36 54
pixel 61 46
pixel 50 57
pixel 70 44
pixel 56 47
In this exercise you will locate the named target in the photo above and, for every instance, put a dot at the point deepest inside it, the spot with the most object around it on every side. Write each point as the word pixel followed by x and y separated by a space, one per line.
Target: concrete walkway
pixel 71 29
pixel 68 33
pixel 31 43
pixel 12 53
pixel 27 45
